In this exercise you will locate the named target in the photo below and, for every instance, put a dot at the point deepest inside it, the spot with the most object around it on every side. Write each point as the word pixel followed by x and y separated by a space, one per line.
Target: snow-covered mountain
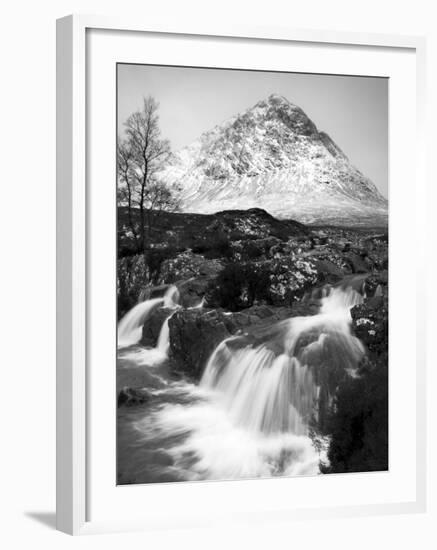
pixel 272 156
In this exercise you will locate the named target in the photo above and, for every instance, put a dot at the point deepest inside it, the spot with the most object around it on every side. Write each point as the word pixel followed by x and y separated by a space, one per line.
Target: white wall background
pixel 27 217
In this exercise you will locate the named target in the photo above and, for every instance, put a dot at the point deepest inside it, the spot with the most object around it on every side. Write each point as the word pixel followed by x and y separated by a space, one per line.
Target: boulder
pixel 192 274
pixel 357 262
pixel 289 279
pixel 328 271
pixel 276 281
pixel 250 249
pixel 153 291
pixel 192 291
pixel 132 275
pixel 377 283
pixel 370 324
pixel 188 265
pixel 195 333
pixel 152 326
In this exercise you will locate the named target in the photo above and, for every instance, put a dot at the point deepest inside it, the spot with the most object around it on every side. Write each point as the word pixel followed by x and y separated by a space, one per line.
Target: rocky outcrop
pixel 370 324
pixel 187 265
pixel 377 283
pixel 194 334
pixel 357 262
pixel 192 274
pixel 289 279
pixel 132 276
pixel 328 272
pixel 250 249
pixel 193 337
pixel 152 326
pixel 276 281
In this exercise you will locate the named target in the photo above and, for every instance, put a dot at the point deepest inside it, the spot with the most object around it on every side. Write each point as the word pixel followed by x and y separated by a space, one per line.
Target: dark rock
pixel 192 291
pixel 257 223
pixel 259 316
pixel 150 291
pixel 250 249
pixel 377 283
pixel 370 324
pixel 328 271
pixel 192 274
pixel 375 302
pixel 132 276
pixel 194 334
pixel 356 262
pixel 289 279
pixel 276 281
pixel 188 265
pixel 152 326
pixel 130 397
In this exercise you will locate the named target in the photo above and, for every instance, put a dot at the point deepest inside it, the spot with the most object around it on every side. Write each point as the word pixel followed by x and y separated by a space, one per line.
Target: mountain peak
pixel 277 99
pixel 272 156
pixel 278 109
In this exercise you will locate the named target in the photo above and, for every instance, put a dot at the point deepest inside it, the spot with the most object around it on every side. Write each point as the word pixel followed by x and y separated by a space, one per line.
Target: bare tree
pixel 141 156
pixel 126 191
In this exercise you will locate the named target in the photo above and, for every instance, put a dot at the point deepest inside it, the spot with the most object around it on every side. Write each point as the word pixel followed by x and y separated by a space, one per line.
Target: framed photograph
pixel 240 334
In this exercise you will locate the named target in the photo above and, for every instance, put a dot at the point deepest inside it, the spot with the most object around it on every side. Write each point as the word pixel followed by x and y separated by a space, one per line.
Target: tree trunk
pixel 131 220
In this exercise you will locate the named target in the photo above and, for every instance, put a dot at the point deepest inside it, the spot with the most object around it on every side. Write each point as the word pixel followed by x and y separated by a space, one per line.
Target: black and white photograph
pixel 252 274
pixel 218 275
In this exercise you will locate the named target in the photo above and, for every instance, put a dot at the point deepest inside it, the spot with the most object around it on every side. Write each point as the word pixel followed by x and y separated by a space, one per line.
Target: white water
pixel 130 327
pixel 163 344
pixel 171 298
pixel 249 416
pixel 272 387
pixel 150 357
pixel 200 305
pixel 204 442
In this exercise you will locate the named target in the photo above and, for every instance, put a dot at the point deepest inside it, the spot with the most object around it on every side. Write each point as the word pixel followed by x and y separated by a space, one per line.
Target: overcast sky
pixel 352 110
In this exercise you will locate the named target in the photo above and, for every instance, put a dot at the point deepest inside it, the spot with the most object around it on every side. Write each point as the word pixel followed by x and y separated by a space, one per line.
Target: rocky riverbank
pixel 247 269
pixel 250 273
pixel 239 259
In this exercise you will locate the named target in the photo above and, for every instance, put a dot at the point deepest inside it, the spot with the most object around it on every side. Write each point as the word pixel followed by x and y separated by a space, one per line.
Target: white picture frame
pixel 74 344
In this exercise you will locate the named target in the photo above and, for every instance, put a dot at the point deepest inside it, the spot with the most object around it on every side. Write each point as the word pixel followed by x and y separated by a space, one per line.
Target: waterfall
pixel 150 357
pixel 200 305
pixel 273 387
pixel 249 416
pixel 378 291
pixel 171 298
pixel 163 344
pixel 130 327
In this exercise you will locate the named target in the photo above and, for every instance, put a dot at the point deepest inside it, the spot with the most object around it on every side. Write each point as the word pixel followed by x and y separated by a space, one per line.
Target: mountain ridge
pixel 272 156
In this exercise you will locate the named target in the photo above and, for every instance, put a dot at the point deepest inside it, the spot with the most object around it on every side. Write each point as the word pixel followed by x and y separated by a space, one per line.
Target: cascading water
pixel 163 344
pixel 171 298
pixel 150 357
pixel 249 415
pixel 273 387
pixel 261 391
pixel 200 305
pixel 130 327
